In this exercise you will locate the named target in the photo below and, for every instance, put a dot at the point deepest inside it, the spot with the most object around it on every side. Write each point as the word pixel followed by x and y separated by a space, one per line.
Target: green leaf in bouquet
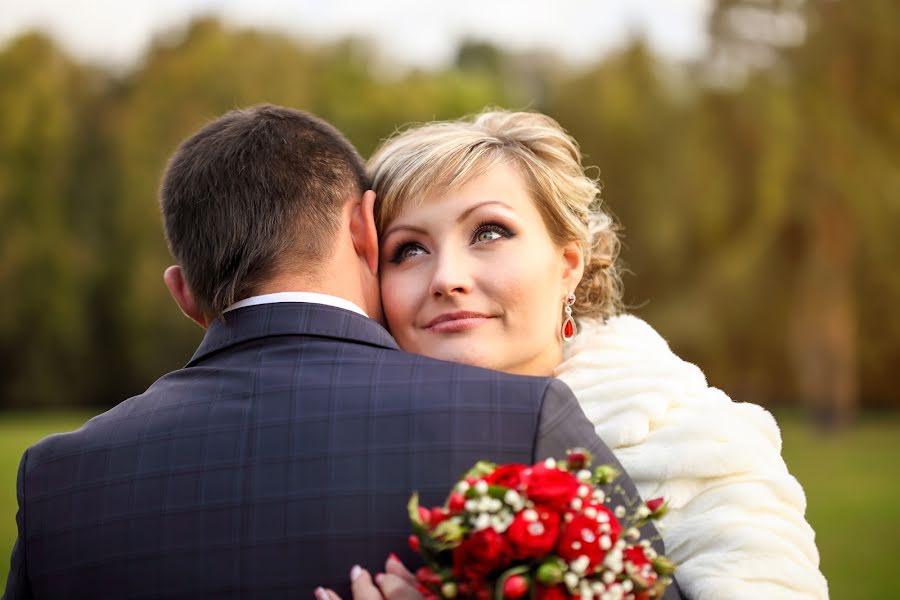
pixel 420 528
pixel 663 565
pixel 551 571
pixel 497 491
pixel 413 508
pixel 605 474
pixel 480 469
pixel 449 532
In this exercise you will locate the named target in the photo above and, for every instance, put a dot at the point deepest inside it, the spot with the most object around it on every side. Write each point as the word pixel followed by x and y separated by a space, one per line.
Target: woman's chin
pixel 487 356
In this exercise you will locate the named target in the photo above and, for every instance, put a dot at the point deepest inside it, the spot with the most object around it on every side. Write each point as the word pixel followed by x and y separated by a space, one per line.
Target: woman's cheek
pixel 515 289
pixel 402 306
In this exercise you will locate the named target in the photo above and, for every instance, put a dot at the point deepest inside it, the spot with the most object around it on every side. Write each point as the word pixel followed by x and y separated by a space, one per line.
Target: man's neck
pixel 336 287
pixel 307 297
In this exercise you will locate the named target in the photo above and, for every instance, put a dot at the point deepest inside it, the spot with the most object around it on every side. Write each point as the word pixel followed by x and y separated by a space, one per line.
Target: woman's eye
pixel 407 250
pixel 487 236
pixel 489 232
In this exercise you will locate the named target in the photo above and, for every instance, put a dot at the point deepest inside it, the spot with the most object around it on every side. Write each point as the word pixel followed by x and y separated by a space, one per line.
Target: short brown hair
pixel 256 191
pixel 427 160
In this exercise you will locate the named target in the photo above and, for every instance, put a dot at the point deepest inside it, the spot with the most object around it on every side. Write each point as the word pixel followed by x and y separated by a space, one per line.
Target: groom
pixel 285 451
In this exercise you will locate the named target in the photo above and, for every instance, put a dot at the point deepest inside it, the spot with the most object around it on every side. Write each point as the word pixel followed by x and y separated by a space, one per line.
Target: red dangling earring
pixel 568 326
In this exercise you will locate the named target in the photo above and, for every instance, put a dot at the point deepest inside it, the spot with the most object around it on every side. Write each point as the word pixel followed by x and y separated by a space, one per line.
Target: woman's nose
pixel 451 276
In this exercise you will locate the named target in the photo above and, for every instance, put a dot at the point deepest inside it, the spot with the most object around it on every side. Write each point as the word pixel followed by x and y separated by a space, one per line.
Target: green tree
pixel 48 204
pixel 833 63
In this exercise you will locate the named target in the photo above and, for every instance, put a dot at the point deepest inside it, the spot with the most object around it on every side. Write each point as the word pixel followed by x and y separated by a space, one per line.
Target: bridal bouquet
pixel 544 531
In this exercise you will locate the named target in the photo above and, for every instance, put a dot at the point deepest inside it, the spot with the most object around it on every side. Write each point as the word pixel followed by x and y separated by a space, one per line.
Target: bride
pixel 496 252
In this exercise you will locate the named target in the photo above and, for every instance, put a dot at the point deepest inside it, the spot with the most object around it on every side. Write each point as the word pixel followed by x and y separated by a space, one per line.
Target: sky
pixel 413 32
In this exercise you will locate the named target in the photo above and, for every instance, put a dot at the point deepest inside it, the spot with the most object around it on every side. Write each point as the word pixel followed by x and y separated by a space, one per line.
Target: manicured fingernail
pixel 393 556
pixel 321 594
pixel 355 572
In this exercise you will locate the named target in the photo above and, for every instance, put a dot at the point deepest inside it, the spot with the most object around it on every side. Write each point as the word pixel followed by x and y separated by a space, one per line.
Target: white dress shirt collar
pixel 310 297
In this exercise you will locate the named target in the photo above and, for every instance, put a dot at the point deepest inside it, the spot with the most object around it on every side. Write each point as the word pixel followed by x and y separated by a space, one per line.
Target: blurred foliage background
pixel 758 188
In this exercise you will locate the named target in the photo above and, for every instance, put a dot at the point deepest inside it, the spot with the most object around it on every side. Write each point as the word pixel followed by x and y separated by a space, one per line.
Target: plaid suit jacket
pixel 281 455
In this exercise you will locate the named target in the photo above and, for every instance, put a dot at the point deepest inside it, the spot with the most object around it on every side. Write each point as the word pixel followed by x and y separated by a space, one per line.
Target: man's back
pixel 283 454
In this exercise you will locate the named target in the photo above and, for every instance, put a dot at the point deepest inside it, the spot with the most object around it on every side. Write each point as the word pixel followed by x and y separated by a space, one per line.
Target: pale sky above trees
pixel 115 33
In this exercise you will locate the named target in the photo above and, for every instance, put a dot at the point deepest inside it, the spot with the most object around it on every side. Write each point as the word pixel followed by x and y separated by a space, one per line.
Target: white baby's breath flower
pixel 482 521
pixel 579 565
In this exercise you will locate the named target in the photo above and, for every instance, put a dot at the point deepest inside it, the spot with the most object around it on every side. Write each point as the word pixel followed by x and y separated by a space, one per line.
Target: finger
pixel 362 585
pixel 395 588
pixel 394 566
pixel 332 595
pixel 323 594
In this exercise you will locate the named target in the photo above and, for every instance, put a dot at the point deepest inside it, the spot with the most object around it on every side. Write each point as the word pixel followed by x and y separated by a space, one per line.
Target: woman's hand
pixel 396 583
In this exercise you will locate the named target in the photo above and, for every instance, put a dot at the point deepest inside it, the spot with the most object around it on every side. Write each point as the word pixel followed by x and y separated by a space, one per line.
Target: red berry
pixel 514 587
pixel 414 543
pixel 456 503
pixel 438 515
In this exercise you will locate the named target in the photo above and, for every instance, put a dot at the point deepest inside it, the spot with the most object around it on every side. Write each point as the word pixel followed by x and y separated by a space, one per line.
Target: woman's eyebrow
pixel 462 217
pixel 468 211
pixel 400 227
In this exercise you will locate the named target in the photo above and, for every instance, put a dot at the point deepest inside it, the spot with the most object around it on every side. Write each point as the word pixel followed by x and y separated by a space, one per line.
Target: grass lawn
pixel 853 498
pixel 852 501
pixel 18 431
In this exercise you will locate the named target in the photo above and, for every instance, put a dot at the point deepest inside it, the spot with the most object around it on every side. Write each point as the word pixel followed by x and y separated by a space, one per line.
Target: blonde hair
pixel 427 160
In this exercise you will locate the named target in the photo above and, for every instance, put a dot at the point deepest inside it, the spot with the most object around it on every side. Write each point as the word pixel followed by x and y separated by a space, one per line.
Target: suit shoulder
pixel 94 434
pixel 442 369
pixel 466 383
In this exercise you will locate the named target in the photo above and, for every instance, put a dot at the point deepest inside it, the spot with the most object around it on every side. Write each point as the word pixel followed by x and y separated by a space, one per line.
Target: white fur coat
pixel 736 525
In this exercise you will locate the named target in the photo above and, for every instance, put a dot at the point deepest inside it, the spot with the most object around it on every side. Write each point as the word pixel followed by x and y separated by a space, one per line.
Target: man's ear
pixel 363 231
pixel 573 265
pixel 184 297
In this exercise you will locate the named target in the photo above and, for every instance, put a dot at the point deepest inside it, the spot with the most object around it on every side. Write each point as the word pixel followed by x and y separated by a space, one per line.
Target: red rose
pixel 658 507
pixel 582 536
pixel 482 552
pixel 600 513
pixel 556 592
pixel 509 476
pixel 535 538
pixel 578 459
pixel 638 566
pixel 550 487
pixel 655 504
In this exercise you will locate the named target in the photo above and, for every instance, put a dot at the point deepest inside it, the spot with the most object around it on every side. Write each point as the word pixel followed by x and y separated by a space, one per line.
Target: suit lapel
pixel 291 318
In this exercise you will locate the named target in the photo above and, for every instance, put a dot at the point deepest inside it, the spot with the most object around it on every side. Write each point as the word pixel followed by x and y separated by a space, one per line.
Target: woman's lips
pixel 456 322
